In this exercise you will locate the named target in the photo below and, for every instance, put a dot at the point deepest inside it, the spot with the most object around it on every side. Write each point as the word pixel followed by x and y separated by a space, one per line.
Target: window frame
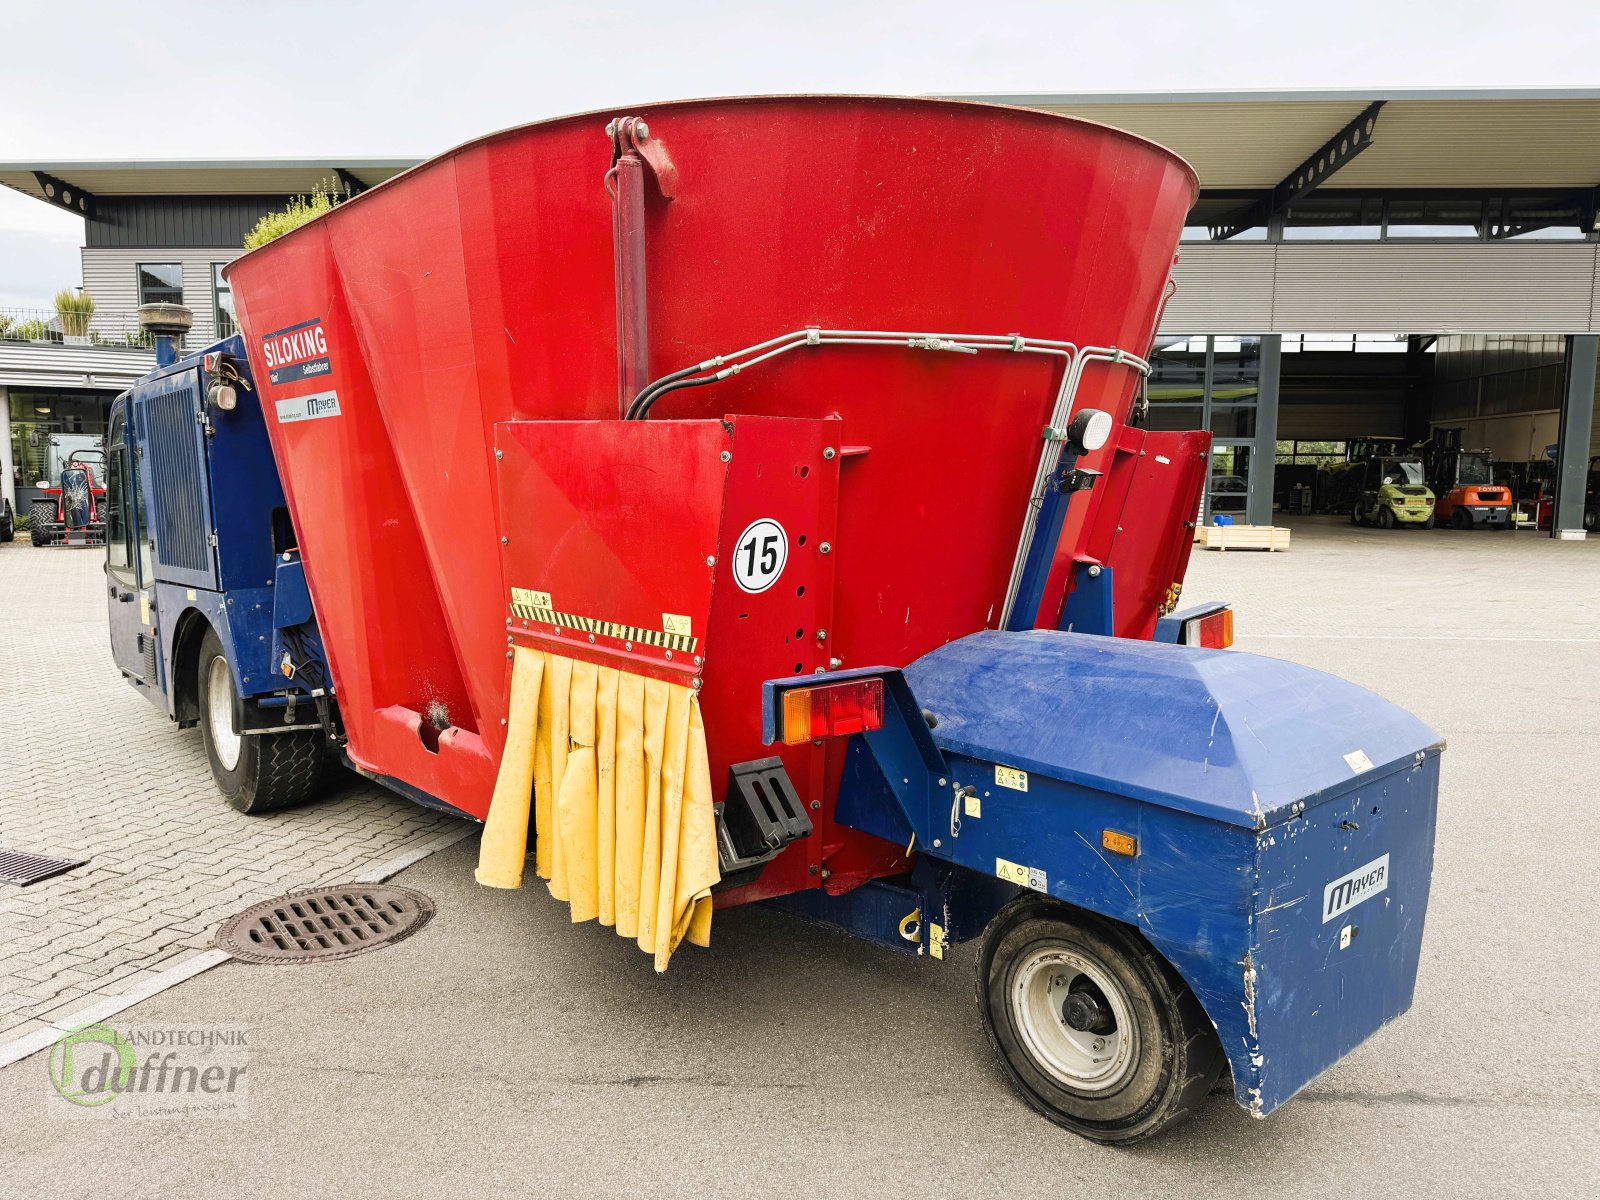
pixel 219 287
pixel 119 485
pixel 138 276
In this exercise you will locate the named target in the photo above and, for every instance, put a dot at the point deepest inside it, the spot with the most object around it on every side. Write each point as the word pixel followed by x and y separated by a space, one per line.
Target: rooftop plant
pixel 300 210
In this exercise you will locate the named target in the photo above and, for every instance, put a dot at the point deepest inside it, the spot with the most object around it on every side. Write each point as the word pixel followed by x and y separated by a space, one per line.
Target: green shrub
pixel 5 324
pixel 74 307
pixel 301 209
pixel 30 331
pixel 24 523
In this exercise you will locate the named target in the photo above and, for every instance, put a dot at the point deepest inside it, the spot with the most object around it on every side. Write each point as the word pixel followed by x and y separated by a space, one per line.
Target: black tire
pixel 43 516
pixel 1460 519
pixel 1173 1056
pixel 1385 517
pixel 270 771
pixel 8 522
pixel 1355 515
pixel 1591 519
pixel 1426 522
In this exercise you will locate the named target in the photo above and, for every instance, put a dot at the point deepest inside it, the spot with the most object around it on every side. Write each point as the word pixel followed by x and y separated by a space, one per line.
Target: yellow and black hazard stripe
pixel 521 607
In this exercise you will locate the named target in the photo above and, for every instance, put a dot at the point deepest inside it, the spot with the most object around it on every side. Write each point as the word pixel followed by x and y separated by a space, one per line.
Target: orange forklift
pixel 1465 493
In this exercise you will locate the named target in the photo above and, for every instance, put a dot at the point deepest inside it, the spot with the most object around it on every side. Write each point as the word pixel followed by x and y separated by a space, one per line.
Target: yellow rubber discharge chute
pixel 614 768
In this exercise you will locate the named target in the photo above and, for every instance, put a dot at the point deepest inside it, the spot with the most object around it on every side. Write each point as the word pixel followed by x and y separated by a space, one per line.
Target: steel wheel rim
pixel 225 739
pixel 1076 1059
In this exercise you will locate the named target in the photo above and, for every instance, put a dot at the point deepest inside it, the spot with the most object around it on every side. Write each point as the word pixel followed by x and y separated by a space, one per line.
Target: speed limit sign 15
pixel 759 555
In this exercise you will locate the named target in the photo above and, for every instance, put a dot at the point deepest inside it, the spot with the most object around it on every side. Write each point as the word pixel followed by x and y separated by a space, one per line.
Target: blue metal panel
pixel 1220 733
pixel 1042 546
pixel 167 412
pixel 1251 787
pixel 1091 605
pixel 245 486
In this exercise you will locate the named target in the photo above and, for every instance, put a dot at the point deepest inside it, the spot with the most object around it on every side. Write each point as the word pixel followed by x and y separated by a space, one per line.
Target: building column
pixel 1577 421
pixel 1264 454
pixel 8 489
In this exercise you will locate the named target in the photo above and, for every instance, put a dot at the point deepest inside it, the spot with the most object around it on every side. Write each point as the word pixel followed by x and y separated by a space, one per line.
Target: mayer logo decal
pixel 1347 891
pixel 308 408
pixel 298 352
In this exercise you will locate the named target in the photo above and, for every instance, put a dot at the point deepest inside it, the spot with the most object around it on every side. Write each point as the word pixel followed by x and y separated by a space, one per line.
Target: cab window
pixel 119 527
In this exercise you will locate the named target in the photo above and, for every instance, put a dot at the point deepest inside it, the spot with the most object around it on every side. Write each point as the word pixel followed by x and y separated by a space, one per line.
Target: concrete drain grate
pixel 324 923
pixel 23 869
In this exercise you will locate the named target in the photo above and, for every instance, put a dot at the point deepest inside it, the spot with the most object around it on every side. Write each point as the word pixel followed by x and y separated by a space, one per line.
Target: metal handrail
pixel 103 327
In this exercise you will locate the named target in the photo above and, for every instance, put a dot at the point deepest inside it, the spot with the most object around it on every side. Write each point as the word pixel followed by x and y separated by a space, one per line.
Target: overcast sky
pixel 366 78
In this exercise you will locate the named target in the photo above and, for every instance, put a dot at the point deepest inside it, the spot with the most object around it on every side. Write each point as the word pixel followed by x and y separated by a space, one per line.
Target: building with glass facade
pixel 153 231
pixel 1358 264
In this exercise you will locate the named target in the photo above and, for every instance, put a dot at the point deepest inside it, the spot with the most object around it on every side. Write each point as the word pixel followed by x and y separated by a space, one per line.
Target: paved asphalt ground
pixel 502 1051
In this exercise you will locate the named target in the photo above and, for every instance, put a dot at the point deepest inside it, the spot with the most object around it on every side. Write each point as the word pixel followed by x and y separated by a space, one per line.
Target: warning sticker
pixel 536 606
pixel 1010 777
pixel 1028 877
pixel 676 623
pixel 1358 761
pixel 298 352
pixel 530 598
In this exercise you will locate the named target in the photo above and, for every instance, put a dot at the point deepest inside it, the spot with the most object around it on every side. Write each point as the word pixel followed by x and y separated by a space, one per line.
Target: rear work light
pixel 1214 631
pixel 832 710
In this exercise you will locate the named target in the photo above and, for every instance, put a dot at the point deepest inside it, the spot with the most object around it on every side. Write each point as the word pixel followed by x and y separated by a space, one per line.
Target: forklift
pixel 1393 492
pixel 1463 482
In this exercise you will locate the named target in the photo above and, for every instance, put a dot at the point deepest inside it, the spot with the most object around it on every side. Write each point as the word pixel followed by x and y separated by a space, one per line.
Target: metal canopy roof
pixel 1530 138
pixel 201 177
pixel 1425 138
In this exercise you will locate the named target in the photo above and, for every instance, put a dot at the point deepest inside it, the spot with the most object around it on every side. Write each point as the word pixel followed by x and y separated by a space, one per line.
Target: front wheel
pixel 42 515
pixel 1386 518
pixel 256 773
pixel 1093 1027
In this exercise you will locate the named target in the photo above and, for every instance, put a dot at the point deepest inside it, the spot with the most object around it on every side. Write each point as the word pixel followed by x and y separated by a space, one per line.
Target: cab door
pixel 124 589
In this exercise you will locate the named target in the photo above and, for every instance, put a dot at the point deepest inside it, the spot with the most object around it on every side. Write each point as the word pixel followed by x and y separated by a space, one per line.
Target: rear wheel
pixel 1385 517
pixel 1461 519
pixel 1093 1027
pixel 1355 515
pixel 259 773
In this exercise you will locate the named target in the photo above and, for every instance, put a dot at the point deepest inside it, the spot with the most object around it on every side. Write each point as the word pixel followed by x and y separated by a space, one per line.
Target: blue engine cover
pixel 1284 821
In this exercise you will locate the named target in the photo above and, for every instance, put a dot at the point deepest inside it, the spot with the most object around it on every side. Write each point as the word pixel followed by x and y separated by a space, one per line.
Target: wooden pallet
pixel 1242 537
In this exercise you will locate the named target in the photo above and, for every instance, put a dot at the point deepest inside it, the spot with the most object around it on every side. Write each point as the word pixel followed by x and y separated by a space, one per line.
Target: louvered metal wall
pixel 174 466
pixel 176 221
pixel 1386 288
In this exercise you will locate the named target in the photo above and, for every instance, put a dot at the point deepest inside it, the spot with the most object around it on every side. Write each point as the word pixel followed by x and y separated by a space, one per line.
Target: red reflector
pixel 1213 631
pixel 832 710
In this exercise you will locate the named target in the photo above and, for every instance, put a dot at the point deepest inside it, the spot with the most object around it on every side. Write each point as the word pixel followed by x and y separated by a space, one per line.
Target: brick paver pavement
pixel 90 769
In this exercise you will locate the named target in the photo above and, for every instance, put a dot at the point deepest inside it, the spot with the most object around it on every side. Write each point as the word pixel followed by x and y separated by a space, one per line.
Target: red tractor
pixel 72 513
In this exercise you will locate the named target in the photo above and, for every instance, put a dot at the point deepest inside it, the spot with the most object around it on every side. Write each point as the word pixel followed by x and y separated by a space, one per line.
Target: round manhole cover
pixel 324 923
